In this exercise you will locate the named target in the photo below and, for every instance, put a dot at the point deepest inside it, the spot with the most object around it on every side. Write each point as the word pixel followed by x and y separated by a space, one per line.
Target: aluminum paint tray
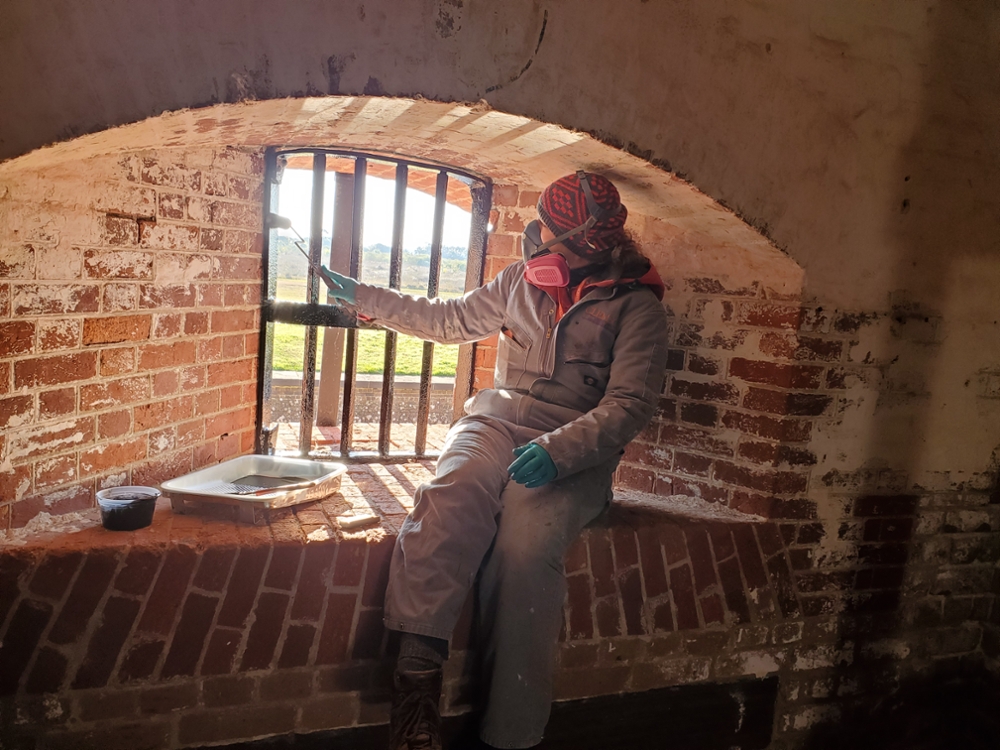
pixel 256 482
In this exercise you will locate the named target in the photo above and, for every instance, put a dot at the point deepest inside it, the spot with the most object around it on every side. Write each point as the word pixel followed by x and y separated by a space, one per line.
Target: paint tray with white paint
pixel 254 482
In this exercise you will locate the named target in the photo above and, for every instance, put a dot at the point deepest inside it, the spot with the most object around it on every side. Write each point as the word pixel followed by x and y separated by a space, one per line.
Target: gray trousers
pixel 471 519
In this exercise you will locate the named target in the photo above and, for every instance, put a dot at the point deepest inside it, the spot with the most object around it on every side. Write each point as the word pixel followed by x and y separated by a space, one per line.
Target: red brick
pixel 769 538
pixel 65 368
pixel 702 365
pixel 210 295
pixel 16 411
pixel 283 567
pixel 138 572
pixel 63 333
pixel 106 642
pixel 630 584
pixel 712 610
pixel 581 621
pixel 773 507
pixel 725 393
pixel 17 337
pixel 141 660
pixel 53 575
pixel 117 361
pixel 707 492
pixel 226 321
pixel 23 634
pixel 663 618
pixel 5 370
pixel 13 570
pixel 335 633
pixel 788 430
pixel 165 600
pixel 775 374
pixel 226 373
pixel 674 546
pixel 190 636
pixel 764 480
pixel 886 505
pixel 56 403
pixel 687 463
pixel 651 555
pixel 602 564
pixel 15 483
pixel 769 316
pixel 148 416
pixel 311 589
pixel 115 329
pixel 608 617
pixel 88 590
pixel 634 478
pixel 111 456
pixel 377 573
pixel 118 264
pixel 171 206
pixel 699 440
pixel 155 296
pixel 221 651
pixel 235 723
pixel 682 590
pixel 167 325
pixel 772 454
pixel 48 673
pixel 298 643
pixel 705 415
pixel 732 586
pixel 265 632
pixel 123 391
pixel 370 632
pixel 56 299
pixel 787 346
pixel 781 579
pixel 159 356
pixel 626 551
pixel 701 558
pixel 165 383
pixel 242 589
pixel 119 297
pixel 114 424
pixel 231 396
pixel 232 690
pixel 791 404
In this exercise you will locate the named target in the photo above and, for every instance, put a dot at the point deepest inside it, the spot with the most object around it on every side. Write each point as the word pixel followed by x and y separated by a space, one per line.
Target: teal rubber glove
pixel 342 288
pixel 533 466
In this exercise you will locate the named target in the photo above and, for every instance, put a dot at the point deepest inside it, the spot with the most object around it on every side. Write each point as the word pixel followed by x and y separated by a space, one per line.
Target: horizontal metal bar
pixel 387 158
pixel 310 314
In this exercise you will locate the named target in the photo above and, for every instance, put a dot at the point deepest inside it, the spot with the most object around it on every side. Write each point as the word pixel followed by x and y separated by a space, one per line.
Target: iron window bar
pixel 313 313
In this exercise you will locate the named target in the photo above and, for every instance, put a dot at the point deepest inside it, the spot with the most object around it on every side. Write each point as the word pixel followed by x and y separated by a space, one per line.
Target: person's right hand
pixel 342 288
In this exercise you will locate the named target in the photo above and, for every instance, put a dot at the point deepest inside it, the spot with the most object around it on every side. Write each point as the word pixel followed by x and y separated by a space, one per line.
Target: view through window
pixel 334 387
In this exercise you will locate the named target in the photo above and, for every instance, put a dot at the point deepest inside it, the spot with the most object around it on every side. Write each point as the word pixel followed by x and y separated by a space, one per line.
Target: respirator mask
pixel 542 267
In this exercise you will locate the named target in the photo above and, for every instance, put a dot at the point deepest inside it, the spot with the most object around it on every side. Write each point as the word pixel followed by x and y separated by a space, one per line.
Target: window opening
pixel 329 384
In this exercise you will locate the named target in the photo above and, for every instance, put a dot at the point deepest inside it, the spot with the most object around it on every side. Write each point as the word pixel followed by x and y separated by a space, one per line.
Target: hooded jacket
pixel 590 378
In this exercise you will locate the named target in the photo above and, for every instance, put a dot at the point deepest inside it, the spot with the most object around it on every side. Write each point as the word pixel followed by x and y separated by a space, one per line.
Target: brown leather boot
pixel 415 719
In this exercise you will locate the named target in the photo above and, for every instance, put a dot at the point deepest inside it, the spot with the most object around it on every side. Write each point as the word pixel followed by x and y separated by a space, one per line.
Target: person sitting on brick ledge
pixel 578 375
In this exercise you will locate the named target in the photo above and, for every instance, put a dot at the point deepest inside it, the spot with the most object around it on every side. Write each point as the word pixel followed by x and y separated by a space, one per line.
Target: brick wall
pixel 129 352
pixel 129 297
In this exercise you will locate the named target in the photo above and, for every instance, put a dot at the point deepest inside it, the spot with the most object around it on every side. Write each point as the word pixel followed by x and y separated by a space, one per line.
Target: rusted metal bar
pixel 482 197
pixel 433 281
pixel 351 362
pixel 395 279
pixel 312 296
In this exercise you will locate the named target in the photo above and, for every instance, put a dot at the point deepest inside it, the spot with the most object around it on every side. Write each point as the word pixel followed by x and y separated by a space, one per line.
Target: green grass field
pixel 289 345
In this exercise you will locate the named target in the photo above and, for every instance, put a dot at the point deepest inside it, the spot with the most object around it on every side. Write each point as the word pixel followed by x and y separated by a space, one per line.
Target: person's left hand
pixel 533 466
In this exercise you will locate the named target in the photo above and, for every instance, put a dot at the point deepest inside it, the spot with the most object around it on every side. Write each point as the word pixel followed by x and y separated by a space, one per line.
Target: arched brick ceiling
pixel 685 231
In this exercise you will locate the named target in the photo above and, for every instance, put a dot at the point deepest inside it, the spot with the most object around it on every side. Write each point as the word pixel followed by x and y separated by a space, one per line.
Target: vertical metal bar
pixel 312 295
pixel 265 352
pixel 482 197
pixel 328 398
pixel 395 279
pixel 351 363
pixel 433 281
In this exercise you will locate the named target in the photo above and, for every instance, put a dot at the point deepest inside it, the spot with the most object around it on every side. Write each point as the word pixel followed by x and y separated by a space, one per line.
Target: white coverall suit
pixel 581 387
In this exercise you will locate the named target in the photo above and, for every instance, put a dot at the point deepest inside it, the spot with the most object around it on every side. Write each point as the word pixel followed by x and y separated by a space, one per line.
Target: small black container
pixel 127 508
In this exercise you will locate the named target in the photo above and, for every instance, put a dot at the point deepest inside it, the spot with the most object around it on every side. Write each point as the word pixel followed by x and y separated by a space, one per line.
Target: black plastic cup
pixel 127 508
